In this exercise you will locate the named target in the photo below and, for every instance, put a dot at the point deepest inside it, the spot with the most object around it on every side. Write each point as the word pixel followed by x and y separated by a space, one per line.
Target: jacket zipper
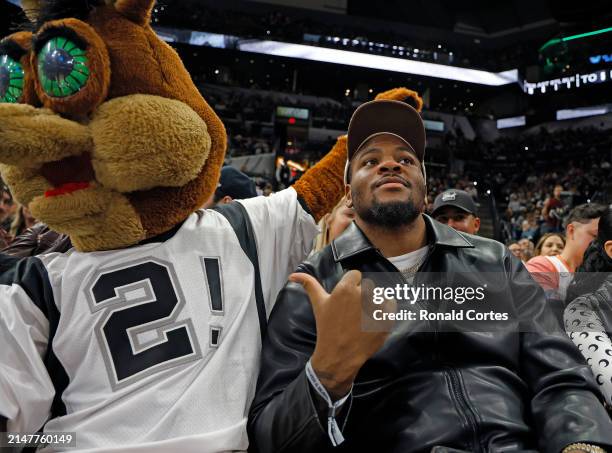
pixel 452 373
pixel 464 407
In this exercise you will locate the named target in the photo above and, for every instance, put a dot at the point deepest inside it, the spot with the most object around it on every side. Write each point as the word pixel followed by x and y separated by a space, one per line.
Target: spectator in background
pixel 553 211
pixel 555 273
pixel 472 191
pixel 597 264
pixel 6 205
pixel 550 244
pixel 527 249
pixel 456 208
pixel 515 249
pixel 22 221
pixel 529 229
pixel 333 224
pixel 588 318
pixel 268 190
pixel 515 205
pixel 233 185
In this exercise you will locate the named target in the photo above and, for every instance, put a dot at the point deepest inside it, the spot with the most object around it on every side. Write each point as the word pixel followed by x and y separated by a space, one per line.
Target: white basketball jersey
pixel 157 346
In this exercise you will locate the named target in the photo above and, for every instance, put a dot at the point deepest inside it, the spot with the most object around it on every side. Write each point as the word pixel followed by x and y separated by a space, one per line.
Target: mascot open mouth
pixel 66 189
pixel 68 175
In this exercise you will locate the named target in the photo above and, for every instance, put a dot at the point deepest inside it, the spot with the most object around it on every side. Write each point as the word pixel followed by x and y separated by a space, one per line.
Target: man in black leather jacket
pixel 327 385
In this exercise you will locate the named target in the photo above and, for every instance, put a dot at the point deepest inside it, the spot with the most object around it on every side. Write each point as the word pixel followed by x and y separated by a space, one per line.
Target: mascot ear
pixel 410 97
pixel 138 11
pixel 31 8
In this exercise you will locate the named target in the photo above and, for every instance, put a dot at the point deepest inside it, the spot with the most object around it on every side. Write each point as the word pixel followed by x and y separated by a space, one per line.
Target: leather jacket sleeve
pixel 285 414
pixel 564 396
pixel 4 238
pixel 36 240
pixel 23 245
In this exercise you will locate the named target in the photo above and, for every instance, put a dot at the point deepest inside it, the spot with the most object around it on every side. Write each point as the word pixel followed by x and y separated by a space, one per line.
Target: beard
pixel 390 215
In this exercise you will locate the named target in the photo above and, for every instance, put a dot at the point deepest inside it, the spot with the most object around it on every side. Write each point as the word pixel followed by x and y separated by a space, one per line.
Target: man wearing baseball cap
pixel 233 185
pixel 386 118
pixel 328 385
pixel 456 208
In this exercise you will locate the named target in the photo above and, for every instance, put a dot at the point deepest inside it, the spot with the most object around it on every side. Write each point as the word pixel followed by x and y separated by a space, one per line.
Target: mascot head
pixel 103 134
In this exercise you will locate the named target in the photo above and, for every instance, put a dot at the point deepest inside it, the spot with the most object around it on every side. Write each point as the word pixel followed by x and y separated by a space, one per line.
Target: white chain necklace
pixel 411 271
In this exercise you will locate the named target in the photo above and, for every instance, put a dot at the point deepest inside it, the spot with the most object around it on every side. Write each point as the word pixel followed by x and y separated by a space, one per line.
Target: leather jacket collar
pixel 354 242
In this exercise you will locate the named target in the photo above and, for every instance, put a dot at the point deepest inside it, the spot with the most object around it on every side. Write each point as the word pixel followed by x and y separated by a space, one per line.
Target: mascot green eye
pixel 11 79
pixel 62 67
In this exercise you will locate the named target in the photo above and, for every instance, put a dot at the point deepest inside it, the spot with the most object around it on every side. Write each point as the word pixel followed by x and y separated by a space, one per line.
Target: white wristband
pixel 334 432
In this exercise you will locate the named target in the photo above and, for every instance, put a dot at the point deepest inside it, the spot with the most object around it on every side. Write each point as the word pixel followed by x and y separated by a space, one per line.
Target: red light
pixel 291 120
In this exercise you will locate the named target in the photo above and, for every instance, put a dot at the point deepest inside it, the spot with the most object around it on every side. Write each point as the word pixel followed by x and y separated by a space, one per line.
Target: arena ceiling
pixel 486 17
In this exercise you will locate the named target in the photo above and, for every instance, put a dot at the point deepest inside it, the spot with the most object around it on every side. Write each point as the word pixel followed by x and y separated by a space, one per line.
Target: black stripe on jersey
pixel 304 205
pixel 238 217
pixel 215 333
pixel 213 275
pixel 31 275
pixel 3 423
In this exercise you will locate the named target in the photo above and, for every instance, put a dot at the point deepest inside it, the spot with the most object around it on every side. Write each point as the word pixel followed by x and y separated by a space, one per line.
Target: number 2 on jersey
pixel 139 333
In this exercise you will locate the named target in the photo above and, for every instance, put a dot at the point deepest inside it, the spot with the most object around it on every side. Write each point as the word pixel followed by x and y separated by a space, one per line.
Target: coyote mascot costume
pixel 146 335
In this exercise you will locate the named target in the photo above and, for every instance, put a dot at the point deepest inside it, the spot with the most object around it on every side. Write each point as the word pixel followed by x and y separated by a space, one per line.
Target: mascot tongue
pixel 68 175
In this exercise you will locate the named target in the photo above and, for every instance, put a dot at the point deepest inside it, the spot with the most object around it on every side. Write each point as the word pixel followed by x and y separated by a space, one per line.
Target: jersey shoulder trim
pixel 31 275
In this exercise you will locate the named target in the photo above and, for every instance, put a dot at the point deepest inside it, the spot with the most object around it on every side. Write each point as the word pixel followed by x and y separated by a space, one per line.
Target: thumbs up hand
pixel 342 346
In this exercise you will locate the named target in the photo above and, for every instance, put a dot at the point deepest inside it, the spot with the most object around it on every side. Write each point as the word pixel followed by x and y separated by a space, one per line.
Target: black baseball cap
pixel 457 198
pixel 235 184
pixel 390 117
